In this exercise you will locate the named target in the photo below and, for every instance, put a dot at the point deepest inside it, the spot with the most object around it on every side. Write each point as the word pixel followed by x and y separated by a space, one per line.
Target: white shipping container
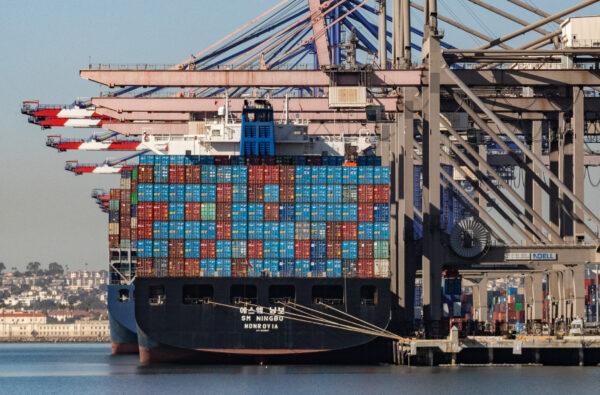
pixel 113 228
pixel 382 268
pixel 348 97
pixel 581 32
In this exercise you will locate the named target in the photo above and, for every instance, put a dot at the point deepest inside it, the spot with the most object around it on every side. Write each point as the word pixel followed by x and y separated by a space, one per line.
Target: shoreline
pixel 50 340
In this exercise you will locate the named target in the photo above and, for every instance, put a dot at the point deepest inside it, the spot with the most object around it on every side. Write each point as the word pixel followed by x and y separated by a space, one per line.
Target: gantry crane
pixel 473 110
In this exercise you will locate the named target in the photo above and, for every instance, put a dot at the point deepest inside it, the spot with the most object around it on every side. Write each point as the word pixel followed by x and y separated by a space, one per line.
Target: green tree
pixel 34 267
pixel 2 267
pixel 54 268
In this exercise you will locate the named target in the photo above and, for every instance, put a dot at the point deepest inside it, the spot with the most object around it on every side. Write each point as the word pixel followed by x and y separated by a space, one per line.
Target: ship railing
pixel 282 300
pixel 243 301
pixel 367 302
pixel 329 301
pixel 157 300
pixel 190 300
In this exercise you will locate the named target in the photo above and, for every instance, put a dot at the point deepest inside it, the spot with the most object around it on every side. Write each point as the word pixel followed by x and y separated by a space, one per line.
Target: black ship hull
pixel 121 316
pixel 216 320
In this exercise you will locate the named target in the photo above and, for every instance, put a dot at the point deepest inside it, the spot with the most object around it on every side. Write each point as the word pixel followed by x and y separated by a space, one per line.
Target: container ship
pixel 274 249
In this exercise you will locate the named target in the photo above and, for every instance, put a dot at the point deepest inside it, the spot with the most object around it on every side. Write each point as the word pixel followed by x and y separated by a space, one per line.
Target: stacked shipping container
pixel 279 217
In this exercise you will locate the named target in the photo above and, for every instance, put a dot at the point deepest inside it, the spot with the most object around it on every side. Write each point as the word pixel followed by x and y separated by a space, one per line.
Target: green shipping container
pixel 381 249
pixel 134 198
pixel 208 212
pixel 113 205
pixel 518 306
pixel 134 173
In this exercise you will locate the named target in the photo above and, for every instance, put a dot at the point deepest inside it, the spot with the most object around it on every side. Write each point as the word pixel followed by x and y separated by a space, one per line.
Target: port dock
pixel 497 350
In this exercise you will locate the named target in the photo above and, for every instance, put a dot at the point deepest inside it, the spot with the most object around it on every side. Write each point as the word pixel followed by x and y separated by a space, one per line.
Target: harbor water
pixel 89 369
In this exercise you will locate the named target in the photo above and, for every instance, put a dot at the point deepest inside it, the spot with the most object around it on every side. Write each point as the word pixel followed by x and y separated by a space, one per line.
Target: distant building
pixel 30 326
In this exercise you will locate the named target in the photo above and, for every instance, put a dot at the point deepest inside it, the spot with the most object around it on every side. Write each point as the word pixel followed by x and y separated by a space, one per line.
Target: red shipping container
pixel 365 193
pixel 287 174
pixel 334 249
pixel 365 268
pixel 192 267
pixel 287 193
pixel 160 211
pixel 125 196
pixel 144 267
pixel 271 211
pixel 146 173
pixel 224 193
pixel 349 230
pixel 302 249
pixel 223 230
pixel 381 193
pixel 239 267
pixel 125 233
pixel 125 208
pixel 365 212
pixel 208 249
pixel 192 211
pixel 144 211
pixel 334 230
pixel 144 230
pixel 176 267
pixel 176 248
pixel 256 174
pixel 255 249
pixel 177 174
pixel 256 193
pixel 222 160
pixel 115 194
pixel 192 174
pixel 271 174
pixel 113 241
pixel 365 249
pixel 223 212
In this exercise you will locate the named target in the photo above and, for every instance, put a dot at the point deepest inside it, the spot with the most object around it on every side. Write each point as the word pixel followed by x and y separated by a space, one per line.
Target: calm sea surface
pixel 79 369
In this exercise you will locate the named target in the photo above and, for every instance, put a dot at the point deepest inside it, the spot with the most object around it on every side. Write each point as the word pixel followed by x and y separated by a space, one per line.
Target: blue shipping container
pixel 271 230
pixel 256 211
pixel 286 230
pixel 240 193
pixel 271 193
pixel 255 230
pixel 192 249
pixel 223 249
pixel 192 230
pixel 176 211
pixel 160 230
pixel 176 230
pixel 239 211
pixel 334 212
pixel 349 249
pixel 239 230
pixel 208 230
pixel 192 193
pixel 365 231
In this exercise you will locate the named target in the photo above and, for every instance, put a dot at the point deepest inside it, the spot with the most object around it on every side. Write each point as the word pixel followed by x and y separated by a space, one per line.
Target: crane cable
pixel 310 319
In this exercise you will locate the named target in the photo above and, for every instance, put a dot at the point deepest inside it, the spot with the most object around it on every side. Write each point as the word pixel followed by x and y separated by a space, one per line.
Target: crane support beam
pixel 157 128
pixel 317 21
pixel 539 23
pixel 316 78
pixel 243 78
pixel 346 116
pixel 133 108
pixel 506 15
pixel 188 104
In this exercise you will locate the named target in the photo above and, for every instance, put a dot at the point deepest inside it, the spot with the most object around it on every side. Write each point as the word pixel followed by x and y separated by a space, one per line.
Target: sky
pixel 46 214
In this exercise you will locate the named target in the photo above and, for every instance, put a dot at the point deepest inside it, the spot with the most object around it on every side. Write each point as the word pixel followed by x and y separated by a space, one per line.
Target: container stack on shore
pixel 278 217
